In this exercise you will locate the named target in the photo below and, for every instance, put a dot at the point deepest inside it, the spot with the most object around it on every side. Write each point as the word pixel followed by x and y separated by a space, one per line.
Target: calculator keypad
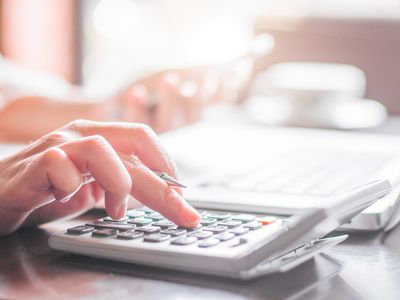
pixel 112 225
pixel 148 226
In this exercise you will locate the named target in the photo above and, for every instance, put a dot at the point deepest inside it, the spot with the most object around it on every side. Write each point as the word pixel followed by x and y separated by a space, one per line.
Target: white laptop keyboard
pixel 303 172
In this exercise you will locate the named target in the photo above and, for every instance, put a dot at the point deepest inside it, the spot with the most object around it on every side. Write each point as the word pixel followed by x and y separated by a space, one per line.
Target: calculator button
pixel 156 237
pixel 105 232
pixel 253 225
pixel 163 224
pixel 219 216
pixel 155 216
pixel 202 213
pixel 112 225
pixel 141 221
pixel 108 219
pixel 266 220
pixel 81 229
pixel 239 230
pixel 135 213
pixel 184 240
pixel 145 209
pixel 207 221
pixel 230 223
pixel 174 232
pixel 215 228
pixel 244 218
pixel 190 229
pixel 209 243
pixel 148 229
pixel 225 236
pixel 130 235
pixel 201 234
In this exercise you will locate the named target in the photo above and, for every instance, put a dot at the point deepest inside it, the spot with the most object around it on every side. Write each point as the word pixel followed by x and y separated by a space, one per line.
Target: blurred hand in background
pixel 173 98
pixel 164 101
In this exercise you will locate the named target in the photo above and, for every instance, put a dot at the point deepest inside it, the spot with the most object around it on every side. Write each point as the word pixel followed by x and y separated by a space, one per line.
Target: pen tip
pixel 171 180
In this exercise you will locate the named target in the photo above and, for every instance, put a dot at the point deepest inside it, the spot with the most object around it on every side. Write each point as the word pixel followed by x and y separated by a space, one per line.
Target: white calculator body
pixel 227 243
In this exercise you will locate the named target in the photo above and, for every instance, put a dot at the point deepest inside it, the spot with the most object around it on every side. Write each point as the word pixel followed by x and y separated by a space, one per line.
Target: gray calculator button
pixel 112 225
pixel 184 240
pixel 156 237
pixel 209 243
pixel 108 219
pixel 239 230
pixel 81 229
pixel 244 218
pixel 130 235
pixel 164 224
pixel 135 213
pixel 219 216
pixel 253 225
pixel 155 216
pixel 105 232
pixel 140 221
pixel 207 221
pixel 174 232
pixel 202 213
pixel 225 236
pixel 215 228
pixel 201 234
pixel 148 229
pixel 230 223
pixel 190 229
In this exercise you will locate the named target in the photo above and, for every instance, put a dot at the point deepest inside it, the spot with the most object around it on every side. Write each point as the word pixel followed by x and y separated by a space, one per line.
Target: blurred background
pixel 103 44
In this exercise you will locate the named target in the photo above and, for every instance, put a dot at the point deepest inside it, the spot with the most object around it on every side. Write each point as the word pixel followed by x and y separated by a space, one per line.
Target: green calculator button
pixel 207 221
pixel 135 213
pixel 244 218
pixel 145 210
pixel 155 216
pixel 230 223
pixel 219 216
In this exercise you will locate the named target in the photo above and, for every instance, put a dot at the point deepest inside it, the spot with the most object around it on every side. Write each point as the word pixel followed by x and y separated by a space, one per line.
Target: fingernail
pixel 192 217
pixel 122 208
pixel 181 211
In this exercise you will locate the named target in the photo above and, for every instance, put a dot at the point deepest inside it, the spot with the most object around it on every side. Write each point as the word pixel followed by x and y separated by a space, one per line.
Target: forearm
pixel 28 118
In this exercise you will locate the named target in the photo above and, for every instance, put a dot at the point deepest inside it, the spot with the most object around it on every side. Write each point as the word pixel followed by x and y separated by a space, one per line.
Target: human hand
pixel 170 99
pixel 49 179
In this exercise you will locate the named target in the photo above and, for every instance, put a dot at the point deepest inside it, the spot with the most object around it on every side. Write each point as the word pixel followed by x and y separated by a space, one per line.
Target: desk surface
pixel 366 266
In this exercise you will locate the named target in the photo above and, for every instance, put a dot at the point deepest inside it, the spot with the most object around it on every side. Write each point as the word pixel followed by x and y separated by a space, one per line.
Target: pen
pixel 170 180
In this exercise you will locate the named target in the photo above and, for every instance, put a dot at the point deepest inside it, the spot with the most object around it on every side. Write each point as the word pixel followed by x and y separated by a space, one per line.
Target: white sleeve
pixel 33 82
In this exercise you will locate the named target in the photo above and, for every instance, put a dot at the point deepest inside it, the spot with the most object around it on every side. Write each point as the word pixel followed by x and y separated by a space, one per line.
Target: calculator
pixel 226 243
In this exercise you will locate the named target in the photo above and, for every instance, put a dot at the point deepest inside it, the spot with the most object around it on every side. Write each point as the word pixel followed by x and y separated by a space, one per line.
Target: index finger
pixel 155 193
